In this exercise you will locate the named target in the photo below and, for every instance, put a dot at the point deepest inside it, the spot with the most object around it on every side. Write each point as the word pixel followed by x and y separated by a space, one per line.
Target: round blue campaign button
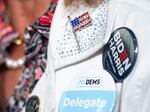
pixel 120 53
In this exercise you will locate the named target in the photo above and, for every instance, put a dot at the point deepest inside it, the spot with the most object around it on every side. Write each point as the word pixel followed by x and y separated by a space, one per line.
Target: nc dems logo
pixel 90 82
pixel 120 53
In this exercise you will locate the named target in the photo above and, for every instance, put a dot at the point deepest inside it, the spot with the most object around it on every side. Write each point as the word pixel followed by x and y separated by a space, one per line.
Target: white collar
pixel 58 24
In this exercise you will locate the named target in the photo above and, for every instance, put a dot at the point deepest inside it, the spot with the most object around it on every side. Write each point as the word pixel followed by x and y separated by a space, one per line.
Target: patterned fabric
pixel 7 33
pixel 36 37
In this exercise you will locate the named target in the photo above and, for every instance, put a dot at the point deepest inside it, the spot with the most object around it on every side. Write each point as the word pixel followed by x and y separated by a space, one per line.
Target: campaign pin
pixel 80 22
pixel 120 53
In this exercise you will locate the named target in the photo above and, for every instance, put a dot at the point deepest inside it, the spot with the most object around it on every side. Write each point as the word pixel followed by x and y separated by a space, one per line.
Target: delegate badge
pixel 90 88
pixel 120 53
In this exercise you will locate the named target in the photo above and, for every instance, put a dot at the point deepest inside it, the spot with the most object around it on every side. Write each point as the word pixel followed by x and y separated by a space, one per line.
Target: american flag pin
pixel 80 22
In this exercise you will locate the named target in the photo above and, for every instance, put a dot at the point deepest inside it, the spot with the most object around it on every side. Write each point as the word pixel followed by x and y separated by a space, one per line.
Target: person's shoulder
pixel 143 5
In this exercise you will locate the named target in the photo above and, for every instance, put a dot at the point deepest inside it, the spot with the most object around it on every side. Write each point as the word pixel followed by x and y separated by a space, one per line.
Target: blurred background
pixel 19 13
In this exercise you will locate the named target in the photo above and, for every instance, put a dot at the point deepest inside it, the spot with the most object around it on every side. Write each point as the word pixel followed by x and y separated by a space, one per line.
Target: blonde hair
pixel 89 2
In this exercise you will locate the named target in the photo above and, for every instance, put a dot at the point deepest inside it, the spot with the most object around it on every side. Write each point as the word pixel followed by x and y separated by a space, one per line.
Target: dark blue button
pixel 120 53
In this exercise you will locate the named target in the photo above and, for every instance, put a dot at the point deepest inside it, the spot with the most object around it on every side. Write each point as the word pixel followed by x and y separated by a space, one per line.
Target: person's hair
pixel 89 2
